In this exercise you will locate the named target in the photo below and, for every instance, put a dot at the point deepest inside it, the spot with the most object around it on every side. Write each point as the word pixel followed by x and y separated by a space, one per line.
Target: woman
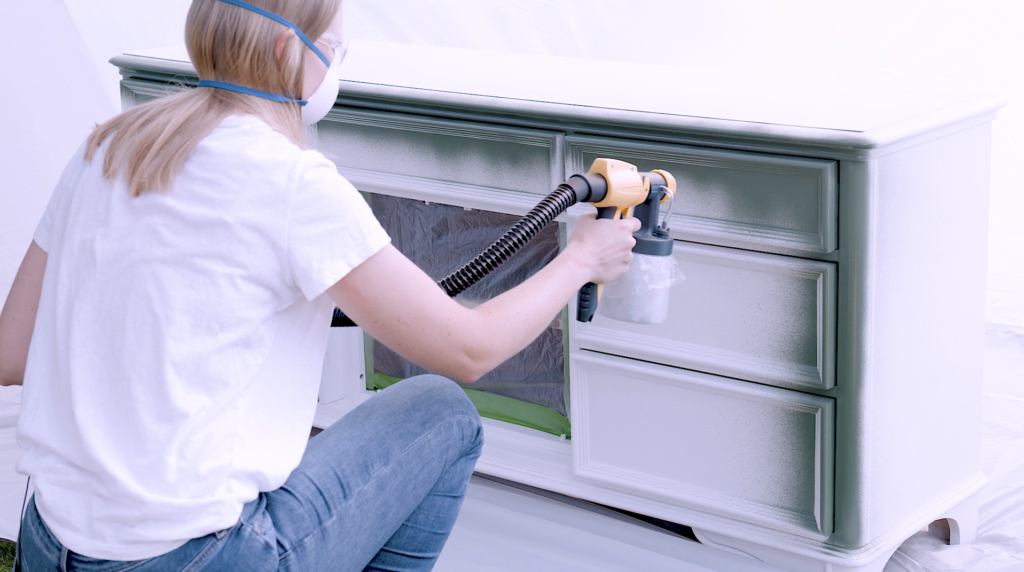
pixel 177 296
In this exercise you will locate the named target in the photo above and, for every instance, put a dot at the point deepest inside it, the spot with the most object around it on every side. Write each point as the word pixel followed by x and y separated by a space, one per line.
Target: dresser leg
pixel 960 525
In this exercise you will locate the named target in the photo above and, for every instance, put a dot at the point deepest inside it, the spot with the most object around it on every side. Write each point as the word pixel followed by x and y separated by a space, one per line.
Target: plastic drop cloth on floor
pixel 440 239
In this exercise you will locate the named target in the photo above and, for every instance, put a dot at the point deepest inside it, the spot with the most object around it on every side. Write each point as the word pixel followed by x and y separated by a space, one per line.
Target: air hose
pixel 553 205
pixel 579 188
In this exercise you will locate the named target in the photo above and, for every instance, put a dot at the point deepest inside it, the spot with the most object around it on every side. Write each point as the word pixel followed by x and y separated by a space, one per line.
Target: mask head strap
pixel 249 91
pixel 280 20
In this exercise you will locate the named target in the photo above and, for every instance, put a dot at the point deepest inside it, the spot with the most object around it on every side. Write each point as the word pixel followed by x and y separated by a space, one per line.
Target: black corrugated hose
pixel 526 228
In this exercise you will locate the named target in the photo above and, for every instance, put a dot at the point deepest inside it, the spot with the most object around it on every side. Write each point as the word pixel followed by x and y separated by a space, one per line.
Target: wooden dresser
pixel 814 397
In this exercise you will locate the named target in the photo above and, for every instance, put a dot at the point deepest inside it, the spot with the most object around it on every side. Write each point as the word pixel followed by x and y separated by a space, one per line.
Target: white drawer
pixel 761 317
pixel 759 454
pixel 733 198
pixel 474 165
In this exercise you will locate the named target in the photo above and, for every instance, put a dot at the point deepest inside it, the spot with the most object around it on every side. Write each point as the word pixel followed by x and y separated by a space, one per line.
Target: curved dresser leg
pixel 960 524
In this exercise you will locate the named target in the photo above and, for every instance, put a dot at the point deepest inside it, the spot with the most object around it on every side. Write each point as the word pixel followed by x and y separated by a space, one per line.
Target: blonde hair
pixel 150 143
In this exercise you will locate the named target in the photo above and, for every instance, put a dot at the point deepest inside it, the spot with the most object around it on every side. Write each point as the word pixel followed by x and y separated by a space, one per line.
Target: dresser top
pixel 836 113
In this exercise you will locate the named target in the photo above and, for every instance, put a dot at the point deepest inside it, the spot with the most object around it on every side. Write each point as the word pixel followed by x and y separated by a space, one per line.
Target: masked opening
pixel 530 388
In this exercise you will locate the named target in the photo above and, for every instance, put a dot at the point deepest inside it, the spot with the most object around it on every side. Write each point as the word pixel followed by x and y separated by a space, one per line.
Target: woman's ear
pixel 282 39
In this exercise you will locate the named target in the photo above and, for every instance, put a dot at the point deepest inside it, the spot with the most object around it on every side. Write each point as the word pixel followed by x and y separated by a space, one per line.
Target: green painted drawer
pixel 475 165
pixel 748 315
pixel 759 454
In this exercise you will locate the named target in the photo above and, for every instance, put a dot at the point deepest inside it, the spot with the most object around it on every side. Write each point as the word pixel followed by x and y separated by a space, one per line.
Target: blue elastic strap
pixel 249 91
pixel 280 20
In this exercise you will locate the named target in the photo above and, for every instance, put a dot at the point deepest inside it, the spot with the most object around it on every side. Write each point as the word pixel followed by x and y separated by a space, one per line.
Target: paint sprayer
pixel 618 190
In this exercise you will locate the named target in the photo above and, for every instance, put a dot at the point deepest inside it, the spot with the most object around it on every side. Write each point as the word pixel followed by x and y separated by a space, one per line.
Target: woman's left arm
pixel 18 318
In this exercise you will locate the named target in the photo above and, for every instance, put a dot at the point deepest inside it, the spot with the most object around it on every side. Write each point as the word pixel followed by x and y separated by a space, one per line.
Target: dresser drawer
pixel 760 317
pixel 734 198
pixel 759 454
pixel 469 164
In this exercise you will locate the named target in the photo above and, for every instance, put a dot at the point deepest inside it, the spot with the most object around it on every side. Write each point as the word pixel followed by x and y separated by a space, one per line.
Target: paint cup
pixel 641 295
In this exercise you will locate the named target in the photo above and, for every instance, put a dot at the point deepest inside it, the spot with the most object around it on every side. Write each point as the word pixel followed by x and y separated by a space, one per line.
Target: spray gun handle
pixel 590 294
pixel 586 301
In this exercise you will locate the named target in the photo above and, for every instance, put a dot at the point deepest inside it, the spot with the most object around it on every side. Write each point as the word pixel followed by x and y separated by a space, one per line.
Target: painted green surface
pixel 500 408
pixel 368 361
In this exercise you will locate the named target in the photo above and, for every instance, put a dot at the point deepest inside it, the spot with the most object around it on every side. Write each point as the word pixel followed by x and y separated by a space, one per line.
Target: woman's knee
pixel 441 393
pixel 442 398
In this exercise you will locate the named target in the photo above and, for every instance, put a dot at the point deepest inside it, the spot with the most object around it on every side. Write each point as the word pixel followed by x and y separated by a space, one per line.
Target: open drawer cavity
pixel 530 388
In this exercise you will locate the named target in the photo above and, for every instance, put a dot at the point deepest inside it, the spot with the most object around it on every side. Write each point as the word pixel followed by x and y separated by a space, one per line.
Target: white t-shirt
pixel 176 358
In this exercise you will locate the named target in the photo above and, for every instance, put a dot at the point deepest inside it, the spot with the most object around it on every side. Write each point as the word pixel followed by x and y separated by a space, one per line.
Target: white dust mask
pixel 323 98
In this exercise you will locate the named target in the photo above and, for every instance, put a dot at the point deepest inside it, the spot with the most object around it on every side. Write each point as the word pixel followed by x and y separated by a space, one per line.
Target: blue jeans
pixel 378 490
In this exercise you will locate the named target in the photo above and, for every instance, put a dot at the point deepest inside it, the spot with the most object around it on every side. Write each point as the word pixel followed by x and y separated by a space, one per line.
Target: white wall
pixel 57 86
pixel 51 98
pixel 974 42
pixel 112 27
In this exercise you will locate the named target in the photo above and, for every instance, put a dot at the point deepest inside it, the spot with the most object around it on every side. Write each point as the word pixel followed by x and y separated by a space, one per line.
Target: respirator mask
pixel 322 99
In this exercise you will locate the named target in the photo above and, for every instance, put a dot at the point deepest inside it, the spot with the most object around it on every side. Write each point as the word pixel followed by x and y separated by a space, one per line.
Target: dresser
pixel 813 398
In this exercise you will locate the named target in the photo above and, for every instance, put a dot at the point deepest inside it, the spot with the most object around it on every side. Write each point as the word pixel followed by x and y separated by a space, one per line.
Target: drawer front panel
pixel 454 162
pixel 762 317
pixel 759 454
pixel 733 198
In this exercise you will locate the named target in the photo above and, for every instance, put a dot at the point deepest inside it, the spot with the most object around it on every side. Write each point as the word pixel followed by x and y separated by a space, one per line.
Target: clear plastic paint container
pixel 641 295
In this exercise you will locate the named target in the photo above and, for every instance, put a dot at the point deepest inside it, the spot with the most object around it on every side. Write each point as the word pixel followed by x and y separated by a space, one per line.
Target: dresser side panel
pixel 917 376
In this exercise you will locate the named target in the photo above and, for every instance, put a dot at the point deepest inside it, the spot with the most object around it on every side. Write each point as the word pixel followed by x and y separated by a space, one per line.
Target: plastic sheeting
pixel 440 239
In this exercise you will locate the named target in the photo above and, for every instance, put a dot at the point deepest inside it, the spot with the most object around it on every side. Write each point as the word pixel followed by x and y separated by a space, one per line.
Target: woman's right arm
pixel 18 318
pixel 397 303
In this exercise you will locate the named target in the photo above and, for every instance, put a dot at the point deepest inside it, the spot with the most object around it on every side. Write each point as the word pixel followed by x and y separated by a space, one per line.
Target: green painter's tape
pixel 501 408
pixel 380 381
